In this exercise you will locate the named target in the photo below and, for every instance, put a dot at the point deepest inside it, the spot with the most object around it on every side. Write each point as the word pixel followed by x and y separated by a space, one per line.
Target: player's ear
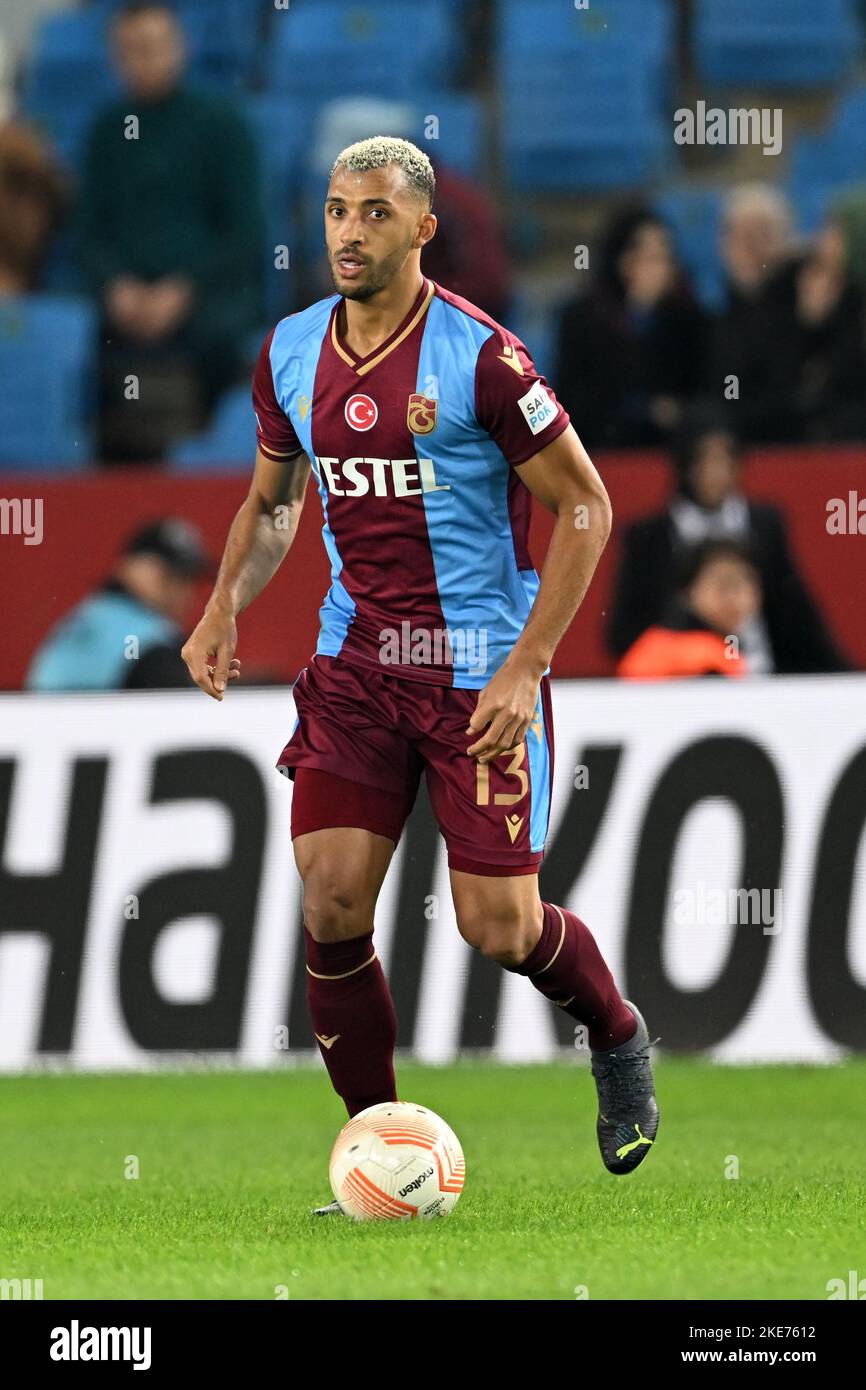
pixel 426 229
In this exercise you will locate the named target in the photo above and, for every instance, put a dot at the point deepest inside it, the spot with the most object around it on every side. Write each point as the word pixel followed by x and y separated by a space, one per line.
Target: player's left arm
pixel 564 480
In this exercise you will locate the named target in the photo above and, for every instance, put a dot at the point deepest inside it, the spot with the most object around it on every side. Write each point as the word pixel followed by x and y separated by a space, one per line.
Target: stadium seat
pixel 533 321
pixel 331 48
pixel 532 34
pixel 561 134
pixel 850 118
pixel 460 139
pixel 47 366
pixel 694 217
pixel 553 25
pixel 229 443
pixel 775 42
pixel 67 78
pixel 569 120
pixel 823 164
pixel 281 126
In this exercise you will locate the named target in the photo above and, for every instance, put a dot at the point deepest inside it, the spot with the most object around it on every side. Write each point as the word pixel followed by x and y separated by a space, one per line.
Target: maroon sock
pixel 353 1018
pixel 567 967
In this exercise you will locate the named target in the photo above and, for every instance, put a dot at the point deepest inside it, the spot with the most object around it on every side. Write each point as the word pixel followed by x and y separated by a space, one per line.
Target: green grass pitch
pixel 230 1163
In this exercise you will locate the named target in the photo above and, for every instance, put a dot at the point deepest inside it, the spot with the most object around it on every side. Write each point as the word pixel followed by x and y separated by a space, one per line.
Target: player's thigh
pixel 494 817
pixel 346 728
pixel 500 916
pixel 342 870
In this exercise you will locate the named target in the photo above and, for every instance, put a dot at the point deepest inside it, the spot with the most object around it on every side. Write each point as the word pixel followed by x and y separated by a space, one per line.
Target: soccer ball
pixel 396 1162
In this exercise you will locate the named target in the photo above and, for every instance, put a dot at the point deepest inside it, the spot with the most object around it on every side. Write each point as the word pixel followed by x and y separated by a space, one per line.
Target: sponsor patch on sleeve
pixel 538 409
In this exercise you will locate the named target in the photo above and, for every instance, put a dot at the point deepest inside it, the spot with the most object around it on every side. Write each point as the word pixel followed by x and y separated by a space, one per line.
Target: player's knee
pixel 506 937
pixel 334 907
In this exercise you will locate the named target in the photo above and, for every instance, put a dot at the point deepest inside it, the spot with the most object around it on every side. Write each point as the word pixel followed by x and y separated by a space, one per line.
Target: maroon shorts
pixel 378 732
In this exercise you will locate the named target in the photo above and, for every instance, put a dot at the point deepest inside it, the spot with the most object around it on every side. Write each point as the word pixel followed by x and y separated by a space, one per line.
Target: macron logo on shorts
pixel 538 409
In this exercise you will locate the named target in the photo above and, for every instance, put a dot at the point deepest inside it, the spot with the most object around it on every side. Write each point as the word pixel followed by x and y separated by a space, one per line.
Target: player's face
pixel 373 222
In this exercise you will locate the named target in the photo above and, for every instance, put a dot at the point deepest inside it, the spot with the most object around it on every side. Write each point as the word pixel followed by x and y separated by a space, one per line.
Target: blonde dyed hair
pixel 380 150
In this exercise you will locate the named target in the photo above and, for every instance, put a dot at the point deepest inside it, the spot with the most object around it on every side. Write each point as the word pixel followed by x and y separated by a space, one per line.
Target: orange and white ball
pixel 397 1162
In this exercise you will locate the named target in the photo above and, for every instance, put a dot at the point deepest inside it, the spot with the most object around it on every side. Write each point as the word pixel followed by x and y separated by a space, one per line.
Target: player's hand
pixel 209 654
pixel 505 710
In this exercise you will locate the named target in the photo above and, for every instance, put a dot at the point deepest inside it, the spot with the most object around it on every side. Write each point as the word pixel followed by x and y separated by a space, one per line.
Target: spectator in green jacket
pixel 170 238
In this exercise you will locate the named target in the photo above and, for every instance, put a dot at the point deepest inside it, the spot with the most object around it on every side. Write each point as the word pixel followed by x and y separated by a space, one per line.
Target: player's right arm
pixel 258 541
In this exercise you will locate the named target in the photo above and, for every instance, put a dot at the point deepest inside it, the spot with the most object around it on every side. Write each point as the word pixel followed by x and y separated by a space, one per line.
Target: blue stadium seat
pixel 67 78
pixel 69 54
pixel 229 443
pixel 47 367
pixel 694 216
pixel 823 164
pixel 562 134
pixel 281 126
pixel 532 34
pixel 460 140
pixel 330 48
pixel 775 42
pixel 550 24
pixel 850 117
pixel 533 321
pixel 570 121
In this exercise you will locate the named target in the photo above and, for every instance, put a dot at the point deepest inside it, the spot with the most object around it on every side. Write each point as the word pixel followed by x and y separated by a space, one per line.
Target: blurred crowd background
pixel 162 169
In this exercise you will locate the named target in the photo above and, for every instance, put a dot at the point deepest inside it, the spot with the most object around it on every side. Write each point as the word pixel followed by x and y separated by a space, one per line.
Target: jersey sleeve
pixel 274 430
pixel 513 403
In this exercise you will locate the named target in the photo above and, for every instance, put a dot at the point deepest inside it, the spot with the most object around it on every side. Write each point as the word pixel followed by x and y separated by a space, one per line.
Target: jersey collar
pixel 362 365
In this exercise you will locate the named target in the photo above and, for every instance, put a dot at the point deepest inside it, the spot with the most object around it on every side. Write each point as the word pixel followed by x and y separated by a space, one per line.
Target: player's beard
pixel 379 275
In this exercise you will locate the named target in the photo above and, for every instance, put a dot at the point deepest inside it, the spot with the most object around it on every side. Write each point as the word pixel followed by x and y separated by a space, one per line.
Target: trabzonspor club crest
pixel 421 415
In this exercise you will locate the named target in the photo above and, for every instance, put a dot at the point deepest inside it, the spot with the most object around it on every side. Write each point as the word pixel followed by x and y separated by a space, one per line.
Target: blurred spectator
pixel 170 238
pixel 703 631
pixel 756 246
pixel 849 212
pixel 33 196
pixel 817 345
pixel 128 634
pixel 791 635
pixel 630 349
pixel 468 254
pixel 793 332
pixel 757 238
